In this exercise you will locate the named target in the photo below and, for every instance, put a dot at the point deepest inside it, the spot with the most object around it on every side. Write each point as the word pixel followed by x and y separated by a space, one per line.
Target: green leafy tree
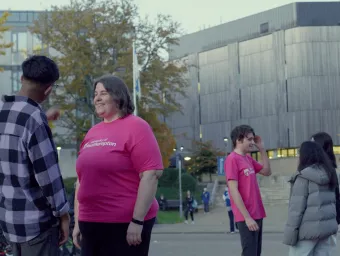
pixel 3 29
pixel 91 38
pixel 204 159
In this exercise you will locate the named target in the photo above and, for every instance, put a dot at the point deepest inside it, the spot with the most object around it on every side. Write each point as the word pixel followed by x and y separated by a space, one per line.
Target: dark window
pixel 264 28
pixel 16 75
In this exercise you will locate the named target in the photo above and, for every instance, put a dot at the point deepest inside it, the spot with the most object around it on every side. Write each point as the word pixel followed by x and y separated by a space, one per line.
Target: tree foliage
pixel 204 159
pixel 91 38
pixel 3 29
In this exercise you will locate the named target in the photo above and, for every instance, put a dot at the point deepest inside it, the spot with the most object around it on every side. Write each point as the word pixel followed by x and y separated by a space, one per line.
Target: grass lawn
pixel 168 217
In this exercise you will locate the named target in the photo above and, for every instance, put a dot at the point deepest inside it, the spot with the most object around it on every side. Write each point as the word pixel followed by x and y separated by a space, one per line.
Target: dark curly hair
pixel 240 132
pixel 119 92
pixel 40 70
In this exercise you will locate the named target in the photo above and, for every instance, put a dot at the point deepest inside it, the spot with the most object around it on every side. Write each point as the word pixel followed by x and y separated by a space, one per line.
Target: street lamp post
pixel 225 140
pixel 179 166
pixel 58 150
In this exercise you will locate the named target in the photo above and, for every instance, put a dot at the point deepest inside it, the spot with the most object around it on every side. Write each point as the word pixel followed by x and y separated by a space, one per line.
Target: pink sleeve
pixel 231 168
pixel 145 153
pixel 257 166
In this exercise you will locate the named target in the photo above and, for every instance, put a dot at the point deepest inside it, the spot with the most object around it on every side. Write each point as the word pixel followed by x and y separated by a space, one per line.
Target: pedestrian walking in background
pixel 326 142
pixel 189 207
pixel 226 198
pixel 246 202
pixel 34 209
pixel 312 213
pixel 118 168
pixel 205 200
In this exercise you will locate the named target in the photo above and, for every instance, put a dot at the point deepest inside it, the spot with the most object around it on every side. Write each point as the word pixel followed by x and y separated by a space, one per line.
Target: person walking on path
pixel 34 209
pixel 246 202
pixel 206 200
pixel 189 202
pixel 312 213
pixel 326 142
pixel 226 198
pixel 118 168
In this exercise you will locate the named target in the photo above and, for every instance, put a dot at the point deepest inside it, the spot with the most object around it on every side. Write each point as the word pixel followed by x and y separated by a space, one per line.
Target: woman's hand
pixel 134 234
pixel 76 236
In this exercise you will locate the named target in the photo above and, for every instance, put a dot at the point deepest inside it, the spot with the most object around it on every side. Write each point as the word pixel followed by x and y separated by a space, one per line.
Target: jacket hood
pixel 315 174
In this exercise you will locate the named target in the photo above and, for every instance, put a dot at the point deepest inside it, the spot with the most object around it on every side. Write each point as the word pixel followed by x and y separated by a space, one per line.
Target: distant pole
pixel 180 185
pixel 134 78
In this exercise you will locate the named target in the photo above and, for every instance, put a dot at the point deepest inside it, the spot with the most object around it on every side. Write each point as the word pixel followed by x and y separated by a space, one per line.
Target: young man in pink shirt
pixel 246 202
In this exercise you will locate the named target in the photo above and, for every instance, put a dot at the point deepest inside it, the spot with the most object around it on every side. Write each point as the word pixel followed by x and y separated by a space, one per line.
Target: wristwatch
pixel 138 222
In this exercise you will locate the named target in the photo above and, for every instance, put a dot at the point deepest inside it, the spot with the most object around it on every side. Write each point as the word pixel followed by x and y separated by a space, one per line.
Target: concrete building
pixel 278 71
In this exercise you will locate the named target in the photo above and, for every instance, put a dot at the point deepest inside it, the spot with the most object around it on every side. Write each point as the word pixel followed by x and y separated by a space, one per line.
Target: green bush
pixel 169 193
pixel 168 185
pixel 69 184
pixel 169 177
pixel 188 183
pixel 172 193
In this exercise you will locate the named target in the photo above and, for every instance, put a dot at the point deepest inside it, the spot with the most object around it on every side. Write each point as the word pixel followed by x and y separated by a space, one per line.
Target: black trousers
pixel 46 243
pixel 109 239
pixel 231 221
pixel 191 214
pixel 251 241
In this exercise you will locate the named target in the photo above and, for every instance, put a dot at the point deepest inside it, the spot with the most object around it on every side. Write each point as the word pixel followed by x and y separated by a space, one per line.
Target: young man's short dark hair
pixel 40 70
pixel 240 132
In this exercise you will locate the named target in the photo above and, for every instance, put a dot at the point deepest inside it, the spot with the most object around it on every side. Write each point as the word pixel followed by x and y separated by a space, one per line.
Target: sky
pixel 192 14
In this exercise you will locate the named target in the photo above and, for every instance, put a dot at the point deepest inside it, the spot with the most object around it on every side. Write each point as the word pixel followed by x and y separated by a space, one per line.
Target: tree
pixel 3 29
pixel 164 136
pixel 92 38
pixel 204 159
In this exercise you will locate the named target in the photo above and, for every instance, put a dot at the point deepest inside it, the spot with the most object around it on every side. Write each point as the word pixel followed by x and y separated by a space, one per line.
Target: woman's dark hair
pixel 311 153
pixel 326 142
pixel 119 92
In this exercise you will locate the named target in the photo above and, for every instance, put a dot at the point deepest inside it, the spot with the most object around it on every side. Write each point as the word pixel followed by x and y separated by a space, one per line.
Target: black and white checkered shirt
pixel 32 194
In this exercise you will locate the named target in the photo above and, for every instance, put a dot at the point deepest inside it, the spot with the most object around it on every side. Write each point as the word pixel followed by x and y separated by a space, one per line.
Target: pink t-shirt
pixel 111 158
pixel 244 170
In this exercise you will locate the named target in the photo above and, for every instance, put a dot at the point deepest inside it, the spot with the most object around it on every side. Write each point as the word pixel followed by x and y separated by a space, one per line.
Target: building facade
pixel 24 44
pixel 278 71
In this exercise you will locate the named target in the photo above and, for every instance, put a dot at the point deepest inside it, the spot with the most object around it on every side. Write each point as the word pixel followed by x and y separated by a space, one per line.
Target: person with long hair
pixel 326 142
pixel 312 214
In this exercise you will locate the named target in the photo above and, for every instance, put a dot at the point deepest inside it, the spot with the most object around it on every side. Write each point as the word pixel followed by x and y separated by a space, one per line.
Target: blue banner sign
pixel 220 165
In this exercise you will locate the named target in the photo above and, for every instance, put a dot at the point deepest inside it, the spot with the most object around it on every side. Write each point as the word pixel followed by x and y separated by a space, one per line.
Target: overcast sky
pixel 192 14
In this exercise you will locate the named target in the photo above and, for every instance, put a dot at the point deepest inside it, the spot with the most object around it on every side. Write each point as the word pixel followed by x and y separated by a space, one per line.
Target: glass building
pixel 278 71
pixel 24 43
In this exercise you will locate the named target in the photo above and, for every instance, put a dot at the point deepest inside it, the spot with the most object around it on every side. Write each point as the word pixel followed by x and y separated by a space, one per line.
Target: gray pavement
pixel 213 244
pixel 217 221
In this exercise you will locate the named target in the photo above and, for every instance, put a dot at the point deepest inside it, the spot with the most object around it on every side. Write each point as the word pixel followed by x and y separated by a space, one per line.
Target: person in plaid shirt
pixel 33 205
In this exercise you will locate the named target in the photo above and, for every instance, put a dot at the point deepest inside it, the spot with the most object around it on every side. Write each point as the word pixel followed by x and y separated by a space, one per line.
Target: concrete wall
pixel 284 84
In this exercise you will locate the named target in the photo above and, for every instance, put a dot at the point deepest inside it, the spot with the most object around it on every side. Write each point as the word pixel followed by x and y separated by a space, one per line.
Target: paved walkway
pixel 215 244
pixel 217 221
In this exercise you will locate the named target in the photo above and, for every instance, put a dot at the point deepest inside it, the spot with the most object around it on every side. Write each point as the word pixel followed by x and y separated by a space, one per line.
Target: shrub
pixel 169 177
pixel 188 183
pixel 69 184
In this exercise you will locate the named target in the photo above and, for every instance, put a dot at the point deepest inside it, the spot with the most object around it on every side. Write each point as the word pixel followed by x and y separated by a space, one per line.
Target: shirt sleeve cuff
pixel 65 209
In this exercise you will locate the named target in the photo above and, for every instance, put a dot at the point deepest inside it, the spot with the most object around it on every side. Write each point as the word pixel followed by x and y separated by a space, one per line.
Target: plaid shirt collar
pixel 18 98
